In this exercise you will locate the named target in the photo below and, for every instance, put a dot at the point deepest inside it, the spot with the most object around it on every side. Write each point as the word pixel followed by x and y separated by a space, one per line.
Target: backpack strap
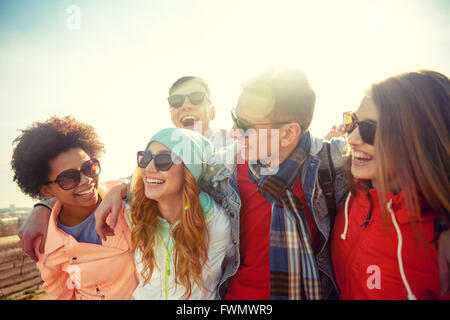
pixel 327 177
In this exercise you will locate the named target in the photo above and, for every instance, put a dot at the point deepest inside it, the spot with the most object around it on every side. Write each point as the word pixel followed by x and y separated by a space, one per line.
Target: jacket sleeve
pixel 48 203
pixel 55 279
pixel 220 244
pixel 340 151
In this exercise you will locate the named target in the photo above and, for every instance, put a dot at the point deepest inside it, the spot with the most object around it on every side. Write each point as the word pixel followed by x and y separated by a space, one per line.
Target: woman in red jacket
pixel 384 238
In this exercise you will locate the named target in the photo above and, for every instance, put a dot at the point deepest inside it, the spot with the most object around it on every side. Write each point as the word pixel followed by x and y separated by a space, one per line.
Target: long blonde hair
pixel 412 140
pixel 190 235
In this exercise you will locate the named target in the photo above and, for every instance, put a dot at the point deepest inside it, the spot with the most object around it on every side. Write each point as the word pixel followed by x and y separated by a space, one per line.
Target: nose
pixel 354 138
pixel 151 167
pixel 84 179
pixel 187 103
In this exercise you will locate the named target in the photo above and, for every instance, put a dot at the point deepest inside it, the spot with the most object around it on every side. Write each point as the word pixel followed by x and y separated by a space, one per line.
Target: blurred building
pixel 11 219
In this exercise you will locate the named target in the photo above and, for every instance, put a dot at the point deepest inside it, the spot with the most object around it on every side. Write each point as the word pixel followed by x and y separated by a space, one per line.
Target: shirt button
pixel 232 214
pixel 234 241
pixel 74 258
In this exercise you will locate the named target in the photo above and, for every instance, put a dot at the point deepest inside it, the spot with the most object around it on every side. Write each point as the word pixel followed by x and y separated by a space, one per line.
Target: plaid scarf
pixel 293 268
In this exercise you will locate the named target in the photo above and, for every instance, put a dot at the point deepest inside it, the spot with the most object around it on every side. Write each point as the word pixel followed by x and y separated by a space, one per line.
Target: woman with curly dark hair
pixel 57 158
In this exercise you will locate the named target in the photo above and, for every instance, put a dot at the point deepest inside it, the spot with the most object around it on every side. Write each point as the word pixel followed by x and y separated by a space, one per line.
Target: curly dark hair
pixel 43 141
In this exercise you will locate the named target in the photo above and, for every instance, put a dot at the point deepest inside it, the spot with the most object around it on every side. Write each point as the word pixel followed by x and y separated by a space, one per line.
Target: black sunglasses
pixel 70 178
pixel 177 100
pixel 245 125
pixel 163 161
pixel 367 128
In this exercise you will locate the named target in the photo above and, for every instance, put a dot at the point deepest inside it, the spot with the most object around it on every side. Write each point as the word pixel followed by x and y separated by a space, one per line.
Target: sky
pixel 110 63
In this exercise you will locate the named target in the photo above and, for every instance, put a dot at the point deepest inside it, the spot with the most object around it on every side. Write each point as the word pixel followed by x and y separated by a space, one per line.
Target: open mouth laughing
pixel 87 194
pixel 188 120
pixel 153 182
pixel 360 158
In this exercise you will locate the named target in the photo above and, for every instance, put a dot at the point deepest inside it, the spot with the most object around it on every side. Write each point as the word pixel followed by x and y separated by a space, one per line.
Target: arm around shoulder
pixel 56 281
pixel 36 226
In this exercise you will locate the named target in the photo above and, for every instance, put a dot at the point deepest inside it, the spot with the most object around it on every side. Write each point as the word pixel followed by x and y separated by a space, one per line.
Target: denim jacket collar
pixel 222 164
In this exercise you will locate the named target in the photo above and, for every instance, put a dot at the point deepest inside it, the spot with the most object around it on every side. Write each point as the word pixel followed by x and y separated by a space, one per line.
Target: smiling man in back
pixel 191 108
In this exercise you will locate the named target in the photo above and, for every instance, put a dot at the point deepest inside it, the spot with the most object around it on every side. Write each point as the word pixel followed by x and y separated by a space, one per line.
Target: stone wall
pixel 19 276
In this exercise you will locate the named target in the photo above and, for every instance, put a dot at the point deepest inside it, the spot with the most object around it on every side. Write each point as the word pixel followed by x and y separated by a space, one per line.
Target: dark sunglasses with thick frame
pixel 245 125
pixel 367 128
pixel 163 161
pixel 69 179
pixel 196 98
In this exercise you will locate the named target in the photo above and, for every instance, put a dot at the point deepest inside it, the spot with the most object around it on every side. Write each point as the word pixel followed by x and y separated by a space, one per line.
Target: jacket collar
pixel 287 171
pixel 398 204
pixel 221 168
pixel 222 163
pixel 316 145
pixel 57 238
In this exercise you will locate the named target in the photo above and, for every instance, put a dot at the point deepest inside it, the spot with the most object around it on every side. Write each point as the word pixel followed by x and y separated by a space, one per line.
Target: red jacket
pixel 388 260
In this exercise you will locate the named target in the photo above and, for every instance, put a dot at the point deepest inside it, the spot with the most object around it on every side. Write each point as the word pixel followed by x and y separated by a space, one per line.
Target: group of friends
pixel 273 213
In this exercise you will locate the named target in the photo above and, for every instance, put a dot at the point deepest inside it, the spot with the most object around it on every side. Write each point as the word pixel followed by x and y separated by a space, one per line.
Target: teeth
pixel 361 155
pixel 86 192
pixel 155 181
pixel 189 118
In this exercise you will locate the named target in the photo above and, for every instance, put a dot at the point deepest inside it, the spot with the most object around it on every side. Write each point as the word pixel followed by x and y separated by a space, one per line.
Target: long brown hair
pixel 190 235
pixel 412 140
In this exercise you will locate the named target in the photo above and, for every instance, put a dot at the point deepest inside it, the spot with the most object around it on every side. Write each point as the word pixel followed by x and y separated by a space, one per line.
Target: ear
pixel 172 116
pixel 212 112
pixel 289 134
pixel 45 190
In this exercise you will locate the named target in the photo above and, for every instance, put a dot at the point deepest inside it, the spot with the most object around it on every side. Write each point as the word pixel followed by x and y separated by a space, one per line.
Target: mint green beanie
pixel 193 148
